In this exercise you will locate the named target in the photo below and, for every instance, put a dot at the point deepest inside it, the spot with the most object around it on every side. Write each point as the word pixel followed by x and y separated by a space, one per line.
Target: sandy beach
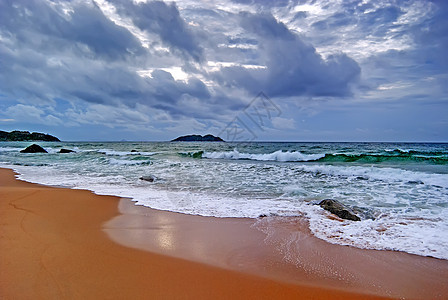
pixel 59 243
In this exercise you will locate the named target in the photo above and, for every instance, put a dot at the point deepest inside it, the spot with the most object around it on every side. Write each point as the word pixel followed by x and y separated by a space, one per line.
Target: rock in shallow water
pixel 149 178
pixel 34 149
pixel 66 151
pixel 339 209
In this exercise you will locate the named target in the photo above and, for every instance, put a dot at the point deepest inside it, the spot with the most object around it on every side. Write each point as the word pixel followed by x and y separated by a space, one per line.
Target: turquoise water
pixel 399 189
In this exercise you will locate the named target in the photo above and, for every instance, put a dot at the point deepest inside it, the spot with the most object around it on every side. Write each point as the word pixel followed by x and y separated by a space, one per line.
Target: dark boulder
pixel 149 178
pixel 339 209
pixel 415 182
pixel 34 149
pixel 66 151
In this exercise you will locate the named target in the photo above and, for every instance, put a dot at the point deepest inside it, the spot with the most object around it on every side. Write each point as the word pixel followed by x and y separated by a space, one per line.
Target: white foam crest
pixel 124 153
pixel 424 234
pixel 279 155
pixel 114 161
pixel 212 205
pixel 183 201
pixel 52 150
pixel 399 150
pixel 143 153
pixel 377 173
pixel 10 149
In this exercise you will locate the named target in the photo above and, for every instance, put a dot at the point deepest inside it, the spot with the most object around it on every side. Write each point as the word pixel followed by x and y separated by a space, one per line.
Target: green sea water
pixel 402 187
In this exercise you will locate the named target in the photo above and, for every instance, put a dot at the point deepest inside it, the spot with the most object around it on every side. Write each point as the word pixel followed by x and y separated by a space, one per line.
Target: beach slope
pixel 52 246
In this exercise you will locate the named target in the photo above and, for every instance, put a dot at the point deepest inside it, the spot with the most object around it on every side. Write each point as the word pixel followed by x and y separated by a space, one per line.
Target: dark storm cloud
pixel 163 19
pixel 101 35
pixel 98 83
pixel 46 53
pixel 38 25
pixel 168 91
pixel 27 75
pixel 82 55
pixel 293 67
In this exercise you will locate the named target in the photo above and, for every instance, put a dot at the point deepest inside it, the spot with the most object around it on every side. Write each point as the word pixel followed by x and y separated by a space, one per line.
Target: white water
pixel 279 155
pixel 405 209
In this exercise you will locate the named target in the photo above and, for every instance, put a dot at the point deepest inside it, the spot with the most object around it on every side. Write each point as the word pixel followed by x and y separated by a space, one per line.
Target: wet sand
pixel 279 248
pixel 58 243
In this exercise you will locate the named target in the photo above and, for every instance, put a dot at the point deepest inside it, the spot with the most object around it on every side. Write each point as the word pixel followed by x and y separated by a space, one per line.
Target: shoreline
pixel 56 242
pixel 278 248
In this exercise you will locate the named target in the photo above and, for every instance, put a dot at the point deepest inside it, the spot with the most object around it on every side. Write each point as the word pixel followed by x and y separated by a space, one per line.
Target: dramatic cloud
pixel 84 30
pixel 293 68
pixel 164 20
pixel 359 69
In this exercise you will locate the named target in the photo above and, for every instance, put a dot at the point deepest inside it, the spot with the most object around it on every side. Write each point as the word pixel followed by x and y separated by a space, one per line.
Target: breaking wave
pixel 296 156
pixel 274 156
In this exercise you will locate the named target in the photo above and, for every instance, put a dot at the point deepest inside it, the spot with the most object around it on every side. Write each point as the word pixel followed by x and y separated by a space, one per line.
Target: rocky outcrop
pixel 339 209
pixel 26 136
pixel 198 138
pixel 66 151
pixel 34 149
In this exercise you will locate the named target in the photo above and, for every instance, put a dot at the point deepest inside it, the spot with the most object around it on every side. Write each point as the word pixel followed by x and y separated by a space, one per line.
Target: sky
pixel 287 70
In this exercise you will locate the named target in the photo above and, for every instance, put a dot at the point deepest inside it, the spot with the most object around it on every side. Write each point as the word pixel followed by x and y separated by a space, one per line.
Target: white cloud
pixel 31 114
pixel 109 115
pixel 283 123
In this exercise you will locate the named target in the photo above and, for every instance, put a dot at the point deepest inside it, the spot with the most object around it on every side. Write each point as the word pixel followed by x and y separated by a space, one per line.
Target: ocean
pixel 400 190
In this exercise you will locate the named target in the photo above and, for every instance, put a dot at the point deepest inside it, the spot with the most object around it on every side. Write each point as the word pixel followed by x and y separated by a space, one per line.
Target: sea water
pixel 400 190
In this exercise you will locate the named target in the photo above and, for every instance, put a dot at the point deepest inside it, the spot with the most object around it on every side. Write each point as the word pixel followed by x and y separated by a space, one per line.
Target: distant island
pixel 198 138
pixel 17 135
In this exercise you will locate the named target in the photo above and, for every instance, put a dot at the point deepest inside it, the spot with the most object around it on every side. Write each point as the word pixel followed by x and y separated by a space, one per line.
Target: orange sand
pixel 54 245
